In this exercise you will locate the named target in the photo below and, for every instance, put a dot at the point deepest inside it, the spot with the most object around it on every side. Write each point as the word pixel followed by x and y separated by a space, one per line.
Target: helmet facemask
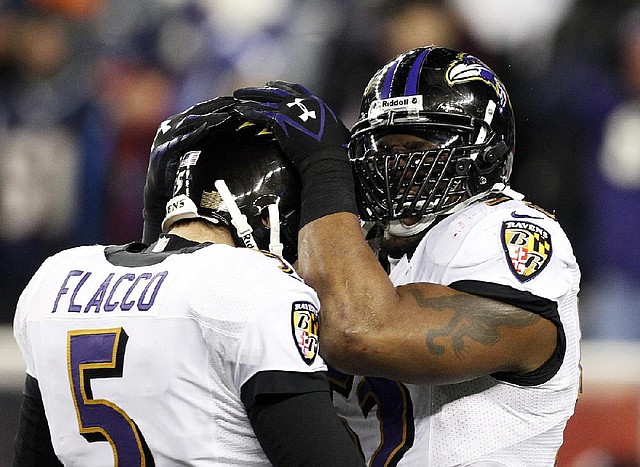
pixel 397 184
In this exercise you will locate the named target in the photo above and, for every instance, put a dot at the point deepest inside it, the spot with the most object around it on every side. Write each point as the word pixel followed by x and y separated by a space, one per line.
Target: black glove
pixel 312 137
pixel 301 122
pixel 189 125
pixel 174 137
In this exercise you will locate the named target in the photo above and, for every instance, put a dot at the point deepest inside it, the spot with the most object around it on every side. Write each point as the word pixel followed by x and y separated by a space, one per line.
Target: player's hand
pixel 191 124
pixel 174 137
pixel 312 137
pixel 182 131
pixel 305 127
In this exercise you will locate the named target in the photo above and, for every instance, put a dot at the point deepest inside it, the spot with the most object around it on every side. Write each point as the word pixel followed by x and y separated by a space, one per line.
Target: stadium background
pixel 85 83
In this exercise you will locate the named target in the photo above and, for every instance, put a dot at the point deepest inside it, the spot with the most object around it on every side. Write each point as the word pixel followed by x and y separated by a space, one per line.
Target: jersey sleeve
pixel 257 314
pixel 283 336
pixel 518 256
pixel 529 253
pixel 25 302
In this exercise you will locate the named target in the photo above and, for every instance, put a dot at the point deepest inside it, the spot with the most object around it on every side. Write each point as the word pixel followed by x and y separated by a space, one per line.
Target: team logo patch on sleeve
pixel 304 327
pixel 527 247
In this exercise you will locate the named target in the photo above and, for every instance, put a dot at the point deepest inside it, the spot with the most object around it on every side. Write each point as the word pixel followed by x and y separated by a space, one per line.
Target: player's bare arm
pixel 415 333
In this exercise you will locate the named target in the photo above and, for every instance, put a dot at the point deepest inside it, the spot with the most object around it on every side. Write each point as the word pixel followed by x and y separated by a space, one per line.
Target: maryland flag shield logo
pixel 304 326
pixel 527 247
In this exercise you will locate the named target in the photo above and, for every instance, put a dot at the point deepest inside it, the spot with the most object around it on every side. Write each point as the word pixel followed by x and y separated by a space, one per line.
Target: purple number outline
pixel 99 353
pixel 394 414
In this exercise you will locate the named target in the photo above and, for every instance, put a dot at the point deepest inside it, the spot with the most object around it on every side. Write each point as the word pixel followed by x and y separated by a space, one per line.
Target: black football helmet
pixel 235 174
pixel 454 101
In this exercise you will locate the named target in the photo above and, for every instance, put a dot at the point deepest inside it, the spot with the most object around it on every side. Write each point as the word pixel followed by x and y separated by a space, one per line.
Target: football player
pixel 468 344
pixel 200 349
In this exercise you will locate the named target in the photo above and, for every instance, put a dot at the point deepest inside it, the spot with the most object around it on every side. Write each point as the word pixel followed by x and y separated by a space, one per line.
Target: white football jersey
pixel 152 358
pixel 486 421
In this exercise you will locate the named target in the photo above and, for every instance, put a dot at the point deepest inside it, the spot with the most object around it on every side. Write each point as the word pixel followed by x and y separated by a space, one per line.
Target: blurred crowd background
pixel 85 83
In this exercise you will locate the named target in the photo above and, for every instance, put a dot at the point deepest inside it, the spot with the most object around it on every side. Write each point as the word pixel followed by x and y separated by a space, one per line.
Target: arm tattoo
pixel 476 318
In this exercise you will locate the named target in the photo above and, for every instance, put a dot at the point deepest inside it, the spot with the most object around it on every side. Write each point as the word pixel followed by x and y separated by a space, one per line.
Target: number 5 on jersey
pixel 99 353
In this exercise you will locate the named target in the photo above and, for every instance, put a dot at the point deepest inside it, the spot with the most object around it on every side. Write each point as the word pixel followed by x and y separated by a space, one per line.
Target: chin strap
pixel 275 246
pixel 238 220
pixel 243 228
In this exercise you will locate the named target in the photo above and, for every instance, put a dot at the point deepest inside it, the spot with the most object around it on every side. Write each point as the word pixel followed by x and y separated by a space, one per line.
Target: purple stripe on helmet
pixel 386 88
pixel 411 87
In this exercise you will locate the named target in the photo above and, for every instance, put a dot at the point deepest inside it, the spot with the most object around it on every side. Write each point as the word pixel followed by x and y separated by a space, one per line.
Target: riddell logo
pixel 395 104
pixel 399 102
